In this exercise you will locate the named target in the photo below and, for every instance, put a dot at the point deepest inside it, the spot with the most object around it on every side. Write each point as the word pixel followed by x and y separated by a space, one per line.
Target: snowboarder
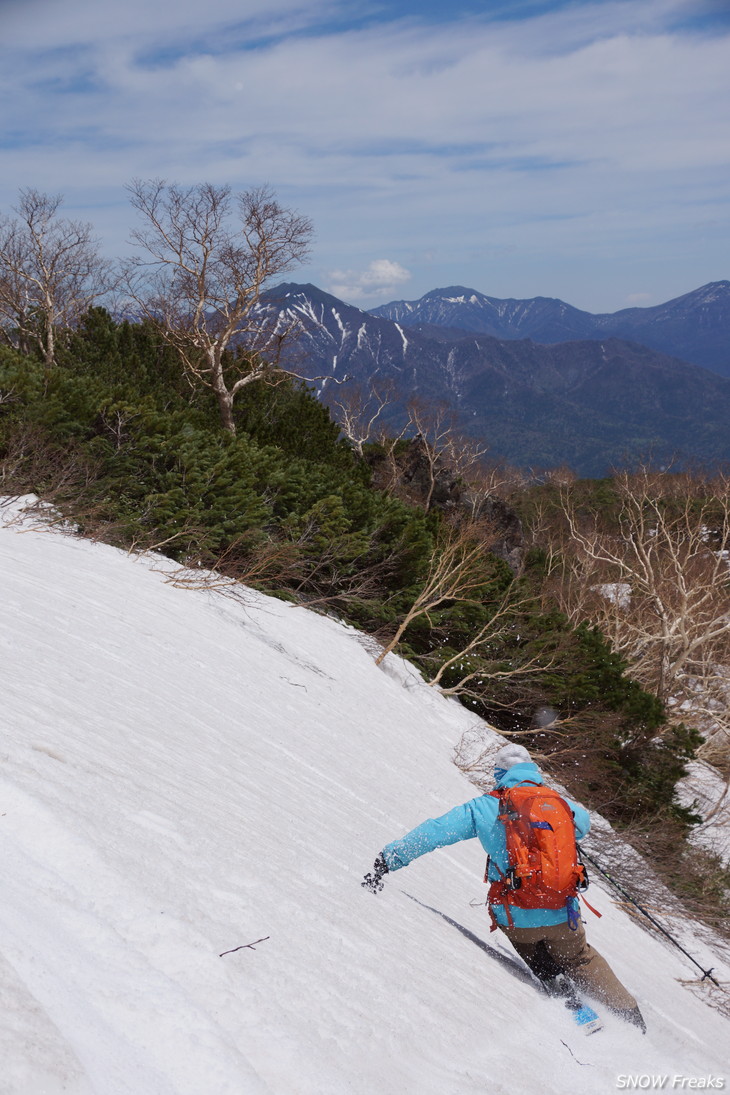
pixel 551 941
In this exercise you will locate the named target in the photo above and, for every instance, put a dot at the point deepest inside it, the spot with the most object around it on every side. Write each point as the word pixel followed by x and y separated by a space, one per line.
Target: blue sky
pixel 570 149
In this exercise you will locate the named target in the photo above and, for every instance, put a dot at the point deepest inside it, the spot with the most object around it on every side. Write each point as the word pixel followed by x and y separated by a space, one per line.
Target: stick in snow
pixel 583 1064
pixel 243 946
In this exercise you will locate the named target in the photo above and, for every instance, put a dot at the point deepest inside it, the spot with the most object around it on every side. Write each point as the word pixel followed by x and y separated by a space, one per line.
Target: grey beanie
pixel 511 754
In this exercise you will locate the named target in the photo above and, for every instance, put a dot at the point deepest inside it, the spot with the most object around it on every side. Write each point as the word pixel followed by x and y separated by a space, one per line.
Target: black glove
pixel 374 880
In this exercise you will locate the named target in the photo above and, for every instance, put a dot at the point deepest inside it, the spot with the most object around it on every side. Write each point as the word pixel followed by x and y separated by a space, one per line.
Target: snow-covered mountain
pixel 694 327
pixel 543 319
pixel 592 404
pixel 191 789
pixel 338 338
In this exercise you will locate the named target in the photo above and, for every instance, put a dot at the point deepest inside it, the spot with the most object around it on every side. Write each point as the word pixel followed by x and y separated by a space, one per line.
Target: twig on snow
pixel 244 946
pixel 583 1064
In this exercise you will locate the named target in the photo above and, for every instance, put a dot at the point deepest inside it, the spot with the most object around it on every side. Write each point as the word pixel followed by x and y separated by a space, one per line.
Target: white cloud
pixel 379 278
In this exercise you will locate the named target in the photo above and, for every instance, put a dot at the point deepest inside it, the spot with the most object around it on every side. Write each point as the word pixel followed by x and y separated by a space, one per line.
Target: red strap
pixel 496 896
pixel 594 911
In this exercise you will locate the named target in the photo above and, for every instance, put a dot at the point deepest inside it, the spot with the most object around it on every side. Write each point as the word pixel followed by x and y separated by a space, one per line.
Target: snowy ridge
pixel 458 307
pixel 692 327
pixel 331 329
pixel 184 774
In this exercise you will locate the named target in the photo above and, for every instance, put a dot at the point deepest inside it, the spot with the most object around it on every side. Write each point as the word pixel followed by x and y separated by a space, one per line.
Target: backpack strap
pixel 588 904
pixel 498 888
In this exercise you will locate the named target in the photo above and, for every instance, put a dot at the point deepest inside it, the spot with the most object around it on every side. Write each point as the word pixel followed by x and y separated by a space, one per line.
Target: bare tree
pixel 656 581
pixel 239 566
pixel 456 572
pixel 206 258
pixel 446 447
pixel 357 411
pixel 439 458
pixel 50 273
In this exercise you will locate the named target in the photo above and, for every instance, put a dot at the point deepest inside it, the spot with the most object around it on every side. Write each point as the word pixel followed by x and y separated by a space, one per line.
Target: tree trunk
pixel 49 347
pixel 225 407
pixel 223 395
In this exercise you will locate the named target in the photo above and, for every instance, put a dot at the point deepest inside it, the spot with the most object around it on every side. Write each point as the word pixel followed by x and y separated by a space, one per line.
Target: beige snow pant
pixel 545 948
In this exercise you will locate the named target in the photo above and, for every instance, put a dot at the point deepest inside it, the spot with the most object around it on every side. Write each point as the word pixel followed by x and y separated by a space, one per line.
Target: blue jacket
pixel 478 818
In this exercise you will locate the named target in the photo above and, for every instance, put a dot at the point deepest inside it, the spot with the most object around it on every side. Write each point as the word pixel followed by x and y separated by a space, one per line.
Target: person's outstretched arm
pixel 437 832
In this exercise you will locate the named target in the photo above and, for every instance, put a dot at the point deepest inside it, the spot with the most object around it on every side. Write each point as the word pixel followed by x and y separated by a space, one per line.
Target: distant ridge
pixel 694 327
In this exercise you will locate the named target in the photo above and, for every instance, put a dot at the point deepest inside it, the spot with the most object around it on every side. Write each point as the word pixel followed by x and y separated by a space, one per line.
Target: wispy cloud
pixel 47 24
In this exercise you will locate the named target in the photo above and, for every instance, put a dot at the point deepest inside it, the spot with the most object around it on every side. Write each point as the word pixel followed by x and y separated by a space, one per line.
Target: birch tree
pixel 358 410
pixel 51 273
pixel 204 258
pixel 478 669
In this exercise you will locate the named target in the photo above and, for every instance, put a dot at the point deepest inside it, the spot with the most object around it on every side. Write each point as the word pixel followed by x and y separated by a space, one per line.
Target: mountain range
pixel 557 395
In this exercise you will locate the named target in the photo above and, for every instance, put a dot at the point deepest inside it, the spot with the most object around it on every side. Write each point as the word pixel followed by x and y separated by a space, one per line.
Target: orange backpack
pixel 544 867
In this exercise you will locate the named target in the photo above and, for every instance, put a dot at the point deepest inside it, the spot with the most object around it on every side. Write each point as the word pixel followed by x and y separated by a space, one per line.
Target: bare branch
pixel 456 572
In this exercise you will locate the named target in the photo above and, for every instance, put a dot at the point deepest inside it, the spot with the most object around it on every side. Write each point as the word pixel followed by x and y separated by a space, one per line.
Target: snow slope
pixel 181 775
pixel 704 790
